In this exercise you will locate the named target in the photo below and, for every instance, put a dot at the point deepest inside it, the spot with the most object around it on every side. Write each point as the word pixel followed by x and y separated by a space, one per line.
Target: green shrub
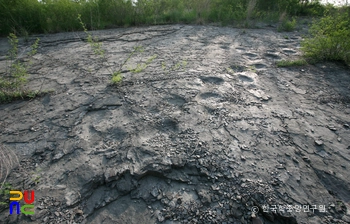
pixel 15 76
pixel 312 8
pixel 287 25
pixel 330 37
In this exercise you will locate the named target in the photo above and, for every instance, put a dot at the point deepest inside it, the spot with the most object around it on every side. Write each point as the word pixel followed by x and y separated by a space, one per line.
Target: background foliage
pixel 24 17
pixel 329 37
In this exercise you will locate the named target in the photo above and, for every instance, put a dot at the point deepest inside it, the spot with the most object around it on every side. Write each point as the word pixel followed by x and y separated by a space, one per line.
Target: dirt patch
pixel 230 138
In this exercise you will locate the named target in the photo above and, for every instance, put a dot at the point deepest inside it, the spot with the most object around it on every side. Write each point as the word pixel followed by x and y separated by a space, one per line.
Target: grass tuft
pixel 290 63
pixel 117 78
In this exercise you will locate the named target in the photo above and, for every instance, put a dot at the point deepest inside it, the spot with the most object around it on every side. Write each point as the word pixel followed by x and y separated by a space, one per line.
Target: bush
pixel 330 37
pixel 287 25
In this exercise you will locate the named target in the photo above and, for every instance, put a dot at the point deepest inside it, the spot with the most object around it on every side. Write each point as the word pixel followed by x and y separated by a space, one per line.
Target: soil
pixel 212 131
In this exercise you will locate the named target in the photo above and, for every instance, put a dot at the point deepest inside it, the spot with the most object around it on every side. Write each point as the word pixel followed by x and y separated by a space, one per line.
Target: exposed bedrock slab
pixel 210 132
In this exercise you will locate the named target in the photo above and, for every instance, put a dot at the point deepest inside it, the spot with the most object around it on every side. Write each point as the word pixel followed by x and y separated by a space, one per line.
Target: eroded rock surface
pixel 222 140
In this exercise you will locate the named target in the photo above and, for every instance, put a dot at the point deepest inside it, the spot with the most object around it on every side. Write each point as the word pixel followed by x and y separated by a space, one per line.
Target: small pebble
pixel 319 142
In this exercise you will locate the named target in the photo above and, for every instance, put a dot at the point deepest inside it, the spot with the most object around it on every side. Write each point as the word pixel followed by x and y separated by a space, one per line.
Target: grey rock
pixel 346 218
pixel 204 195
pixel 256 219
pixel 155 192
pixel 40 214
pixel 319 142
pixel 332 128
pixel 306 159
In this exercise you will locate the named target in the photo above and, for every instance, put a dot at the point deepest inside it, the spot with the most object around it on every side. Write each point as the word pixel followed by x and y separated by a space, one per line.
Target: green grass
pixel 290 63
pixel 7 97
pixel 24 17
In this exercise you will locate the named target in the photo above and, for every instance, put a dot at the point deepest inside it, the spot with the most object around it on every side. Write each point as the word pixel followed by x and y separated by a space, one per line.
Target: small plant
pixel 93 41
pixel 33 94
pixel 5 193
pixel 36 176
pixel 116 78
pixel 229 70
pixel 287 25
pixel 142 66
pixel 96 47
pixel 251 68
pixel 163 65
pixel 289 63
pixel 177 66
pixel 184 63
pixel 11 83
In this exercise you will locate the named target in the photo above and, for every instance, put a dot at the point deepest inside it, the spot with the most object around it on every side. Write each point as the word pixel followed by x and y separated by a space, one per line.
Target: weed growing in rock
pixel 16 74
pixel 36 176
pixel 142 66
pixel 175 67
pixel 5 194
pixel 116 78
pixel 229 70
pixel 290 63
pixel 93 41
pixel 251 68
pixel 96 47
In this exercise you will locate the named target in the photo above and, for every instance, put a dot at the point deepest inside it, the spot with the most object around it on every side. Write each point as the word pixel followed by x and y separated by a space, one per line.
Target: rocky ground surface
pixel 212 131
